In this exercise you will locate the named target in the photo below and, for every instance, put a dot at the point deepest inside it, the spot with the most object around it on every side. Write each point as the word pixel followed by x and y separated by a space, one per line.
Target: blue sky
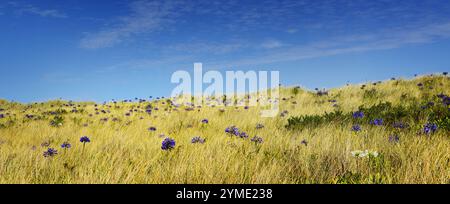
pixel 102 50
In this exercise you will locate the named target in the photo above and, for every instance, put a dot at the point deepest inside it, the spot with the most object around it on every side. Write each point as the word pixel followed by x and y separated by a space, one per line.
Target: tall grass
pixel 124 151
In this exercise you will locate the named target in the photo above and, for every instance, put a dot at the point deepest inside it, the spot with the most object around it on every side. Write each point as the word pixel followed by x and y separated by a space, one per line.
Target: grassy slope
pixel 126 152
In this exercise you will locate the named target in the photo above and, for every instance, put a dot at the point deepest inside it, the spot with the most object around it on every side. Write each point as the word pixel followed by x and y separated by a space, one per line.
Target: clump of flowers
pixel 358 114
pixel 377 122
pixel 399 125
pixel 152 129
pixel 50 152
pixel 198 139
pixel 243 135
pixel 430 128
pixel 232 130
pixel 356 128
pixel 66 145
pixel 257 139
pixel 394 139
pixel 259 126
pixel 205 121
pixel 365 153
pixel 168 144
pixel 446 100
pixel 85 139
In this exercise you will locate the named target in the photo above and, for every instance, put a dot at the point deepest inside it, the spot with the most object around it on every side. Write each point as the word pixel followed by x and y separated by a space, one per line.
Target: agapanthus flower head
pixel 419 84
pixel 377 122
pixel 85 139
pixel 50 152
pixel 2 116
pixel 399 125
pixel 152 129
pixel 205 121
pixel 257 139
pixel 394 139
pixel 356 128
pixel 358 114
pixel 446 100
pixel 198 139
pixel 45 144
pixel 259 126
pixel 66 145
pixel 441 95
pixel 430 128
pixel 444 73
pixel 233 130
pixel 304 142
pixel 243 135
pixel 168 144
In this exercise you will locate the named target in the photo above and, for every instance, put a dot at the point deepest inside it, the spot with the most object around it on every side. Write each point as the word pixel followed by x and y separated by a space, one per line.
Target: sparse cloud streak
pixel 30 9
pixel 145 17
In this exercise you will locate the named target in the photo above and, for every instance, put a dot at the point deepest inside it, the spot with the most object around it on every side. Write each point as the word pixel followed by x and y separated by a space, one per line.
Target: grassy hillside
pixel 403 124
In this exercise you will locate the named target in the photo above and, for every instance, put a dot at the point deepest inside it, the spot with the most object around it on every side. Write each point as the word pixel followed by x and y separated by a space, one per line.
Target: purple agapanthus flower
pixel 85 139
pixel 243 135
pixel 168 144
pixel 399 125
pixel 257 139
pixel 304 142
pixel 430 128
pixel 446 100
pixel 152 129
pixel 358 114
pixel 198 139
pixel 233 130
pixel 356 128
pixel 66 145
pixel 205 121
pixel 50 152
pixel 394 139
pixel 377 122
pixel 259 126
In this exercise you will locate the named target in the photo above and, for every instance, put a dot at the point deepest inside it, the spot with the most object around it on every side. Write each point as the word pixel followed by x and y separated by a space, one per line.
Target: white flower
pixel 357 153
pixel 374 154
pixel 365 153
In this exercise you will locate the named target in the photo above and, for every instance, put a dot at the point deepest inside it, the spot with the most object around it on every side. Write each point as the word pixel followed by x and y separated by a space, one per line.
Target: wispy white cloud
pixel 22 9
pixel 269 44
pixel 382 40
pixel 386 39
pixel 215 48
pixel 145 17
pixel 292 30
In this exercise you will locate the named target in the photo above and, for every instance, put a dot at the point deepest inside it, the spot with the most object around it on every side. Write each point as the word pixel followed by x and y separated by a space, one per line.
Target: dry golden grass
pixel 126 152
